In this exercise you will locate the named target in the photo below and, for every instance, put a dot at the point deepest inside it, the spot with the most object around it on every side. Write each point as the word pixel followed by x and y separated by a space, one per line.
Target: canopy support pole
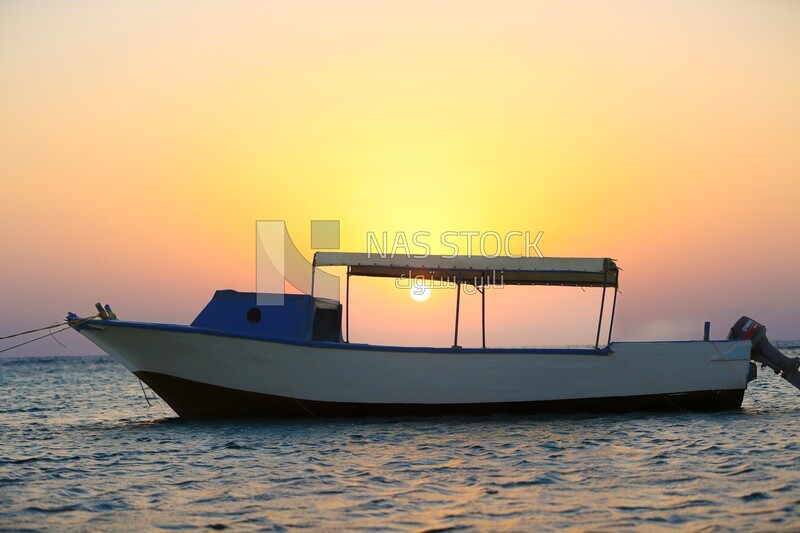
pixel 313 272
pixel 347 308
pixel 458 306
pixel 600 322
pixel 613 310
pixel 483 316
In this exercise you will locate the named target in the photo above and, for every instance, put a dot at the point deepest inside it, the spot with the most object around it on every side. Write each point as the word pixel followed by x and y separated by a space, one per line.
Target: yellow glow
pixel 419 292
pixel 140 142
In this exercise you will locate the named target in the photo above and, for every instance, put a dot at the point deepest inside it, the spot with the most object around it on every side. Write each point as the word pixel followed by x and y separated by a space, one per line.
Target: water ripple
pixel 80 449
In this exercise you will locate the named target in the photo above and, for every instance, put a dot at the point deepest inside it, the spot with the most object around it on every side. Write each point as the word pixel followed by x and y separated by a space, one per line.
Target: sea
pixel 83 449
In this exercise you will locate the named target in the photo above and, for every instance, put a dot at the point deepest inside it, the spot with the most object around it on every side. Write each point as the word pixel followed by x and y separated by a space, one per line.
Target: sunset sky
pixel 140 142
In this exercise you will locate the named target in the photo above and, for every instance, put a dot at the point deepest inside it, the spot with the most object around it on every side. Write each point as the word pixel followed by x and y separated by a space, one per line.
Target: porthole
pixel 254 315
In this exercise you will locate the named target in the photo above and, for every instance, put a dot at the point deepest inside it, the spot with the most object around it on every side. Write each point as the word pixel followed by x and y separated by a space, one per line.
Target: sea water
pixel 80 449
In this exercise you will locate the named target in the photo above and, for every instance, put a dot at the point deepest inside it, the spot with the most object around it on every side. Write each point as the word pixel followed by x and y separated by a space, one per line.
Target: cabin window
pixel 254 315
pixel 327 325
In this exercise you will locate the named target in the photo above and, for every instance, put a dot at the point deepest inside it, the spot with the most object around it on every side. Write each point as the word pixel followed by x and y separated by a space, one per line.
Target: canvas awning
pixel 569 271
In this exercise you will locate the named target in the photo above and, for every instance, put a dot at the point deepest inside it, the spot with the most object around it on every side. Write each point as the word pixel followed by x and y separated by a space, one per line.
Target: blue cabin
pixel 300 318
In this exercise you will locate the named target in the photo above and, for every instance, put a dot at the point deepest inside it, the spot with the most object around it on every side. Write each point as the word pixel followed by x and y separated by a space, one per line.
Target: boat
pixel 242 359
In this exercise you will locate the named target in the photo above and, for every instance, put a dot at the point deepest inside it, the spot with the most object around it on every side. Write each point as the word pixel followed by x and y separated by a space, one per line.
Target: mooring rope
pixel 655 387
pixel 66 325
pixel 33 330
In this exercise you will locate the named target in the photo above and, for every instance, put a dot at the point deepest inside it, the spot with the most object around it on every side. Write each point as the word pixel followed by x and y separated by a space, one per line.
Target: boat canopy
pixel 475 270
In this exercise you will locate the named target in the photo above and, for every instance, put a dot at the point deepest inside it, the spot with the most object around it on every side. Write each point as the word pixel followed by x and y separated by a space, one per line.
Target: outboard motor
pixel 765 353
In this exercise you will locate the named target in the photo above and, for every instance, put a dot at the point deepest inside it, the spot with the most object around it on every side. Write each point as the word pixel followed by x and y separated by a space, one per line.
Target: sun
pixel 419 292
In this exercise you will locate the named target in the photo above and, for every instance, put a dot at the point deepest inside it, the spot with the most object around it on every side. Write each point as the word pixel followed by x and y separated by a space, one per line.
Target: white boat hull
pixel 202 373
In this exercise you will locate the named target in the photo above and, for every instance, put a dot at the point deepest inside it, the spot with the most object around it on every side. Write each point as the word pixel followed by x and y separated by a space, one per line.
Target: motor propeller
pixel 764 352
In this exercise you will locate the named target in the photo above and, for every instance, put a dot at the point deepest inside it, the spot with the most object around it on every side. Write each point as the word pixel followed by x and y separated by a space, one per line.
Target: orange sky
pixel 140 141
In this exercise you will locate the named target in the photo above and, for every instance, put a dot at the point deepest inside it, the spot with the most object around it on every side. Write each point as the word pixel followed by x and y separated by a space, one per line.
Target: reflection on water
pixel 81 449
